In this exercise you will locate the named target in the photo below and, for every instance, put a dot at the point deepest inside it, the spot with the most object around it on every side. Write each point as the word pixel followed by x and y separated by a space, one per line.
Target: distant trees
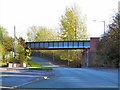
pixel 40 34
pixel 108 47
pixel 2 32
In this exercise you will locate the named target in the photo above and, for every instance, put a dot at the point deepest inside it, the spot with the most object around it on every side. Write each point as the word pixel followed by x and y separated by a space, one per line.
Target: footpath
pixel 16 77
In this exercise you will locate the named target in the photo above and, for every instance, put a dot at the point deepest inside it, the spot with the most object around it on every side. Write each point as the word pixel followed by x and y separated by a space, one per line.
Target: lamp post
pixel 103 23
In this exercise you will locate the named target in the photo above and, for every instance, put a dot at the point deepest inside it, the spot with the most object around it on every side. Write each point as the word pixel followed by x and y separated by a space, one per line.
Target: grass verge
pixel 35 66
pixel 3 64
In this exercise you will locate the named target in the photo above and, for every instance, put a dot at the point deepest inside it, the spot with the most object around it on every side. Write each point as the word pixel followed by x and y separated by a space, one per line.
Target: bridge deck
pixel 58 45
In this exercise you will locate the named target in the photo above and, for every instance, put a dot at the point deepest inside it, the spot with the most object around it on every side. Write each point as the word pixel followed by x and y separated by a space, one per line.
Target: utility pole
pixel 14 43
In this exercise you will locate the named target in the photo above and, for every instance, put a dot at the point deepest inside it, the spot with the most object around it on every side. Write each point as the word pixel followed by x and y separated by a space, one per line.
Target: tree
pixel 72 26
pixel 6 48
pixel 8 43
pixel 20 54
pixel 5 39
pixel 107 50
pixel 21 41
pixel 2 52
pixel 3 35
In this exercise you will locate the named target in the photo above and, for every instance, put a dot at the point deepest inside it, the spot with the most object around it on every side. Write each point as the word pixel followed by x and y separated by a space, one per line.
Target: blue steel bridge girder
pixel 58 45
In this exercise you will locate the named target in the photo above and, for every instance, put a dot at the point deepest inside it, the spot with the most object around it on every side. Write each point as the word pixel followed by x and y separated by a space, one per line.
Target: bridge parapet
pixel 58 45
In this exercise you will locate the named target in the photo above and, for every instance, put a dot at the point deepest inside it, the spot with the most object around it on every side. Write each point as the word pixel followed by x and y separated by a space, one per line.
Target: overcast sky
pixel 25 13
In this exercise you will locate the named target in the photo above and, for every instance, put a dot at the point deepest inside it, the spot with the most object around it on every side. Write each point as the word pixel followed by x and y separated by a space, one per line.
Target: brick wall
pixel 89 55
pixel 93 43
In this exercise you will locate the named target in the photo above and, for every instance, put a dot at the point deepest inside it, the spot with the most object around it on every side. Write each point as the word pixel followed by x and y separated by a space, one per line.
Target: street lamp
pixel 103 23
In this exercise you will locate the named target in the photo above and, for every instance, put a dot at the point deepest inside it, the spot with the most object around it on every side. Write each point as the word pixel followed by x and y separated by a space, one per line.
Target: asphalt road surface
pixel 76 78
pixel 44 62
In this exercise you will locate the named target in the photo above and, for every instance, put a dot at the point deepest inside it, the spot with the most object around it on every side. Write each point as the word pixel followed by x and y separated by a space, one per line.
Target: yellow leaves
pixel 27 50
pixel 1 48
pixel 72 25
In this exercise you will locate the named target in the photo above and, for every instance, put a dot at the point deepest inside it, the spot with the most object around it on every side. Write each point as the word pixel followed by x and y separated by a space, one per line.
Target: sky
pixel 26 13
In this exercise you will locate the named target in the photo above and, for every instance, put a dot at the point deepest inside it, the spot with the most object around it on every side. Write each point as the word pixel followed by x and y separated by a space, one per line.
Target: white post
pixel 14 65
pixel 24 64
pixel 10 65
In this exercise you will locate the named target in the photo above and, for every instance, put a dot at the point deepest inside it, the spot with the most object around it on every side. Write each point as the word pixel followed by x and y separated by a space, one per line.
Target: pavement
pixel 16 77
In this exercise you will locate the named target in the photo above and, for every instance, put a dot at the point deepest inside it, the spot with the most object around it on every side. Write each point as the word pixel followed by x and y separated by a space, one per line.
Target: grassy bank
pixel 35 66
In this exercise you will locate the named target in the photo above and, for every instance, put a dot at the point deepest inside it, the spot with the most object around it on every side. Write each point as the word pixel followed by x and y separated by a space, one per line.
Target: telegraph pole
pixel 14 43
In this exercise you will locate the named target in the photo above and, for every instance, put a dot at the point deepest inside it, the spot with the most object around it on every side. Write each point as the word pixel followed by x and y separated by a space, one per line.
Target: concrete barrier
pixel 14 65
pixel 23 64
pixel 10 65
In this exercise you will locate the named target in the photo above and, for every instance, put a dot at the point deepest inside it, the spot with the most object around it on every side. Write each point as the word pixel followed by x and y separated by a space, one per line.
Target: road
pixel 77 78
